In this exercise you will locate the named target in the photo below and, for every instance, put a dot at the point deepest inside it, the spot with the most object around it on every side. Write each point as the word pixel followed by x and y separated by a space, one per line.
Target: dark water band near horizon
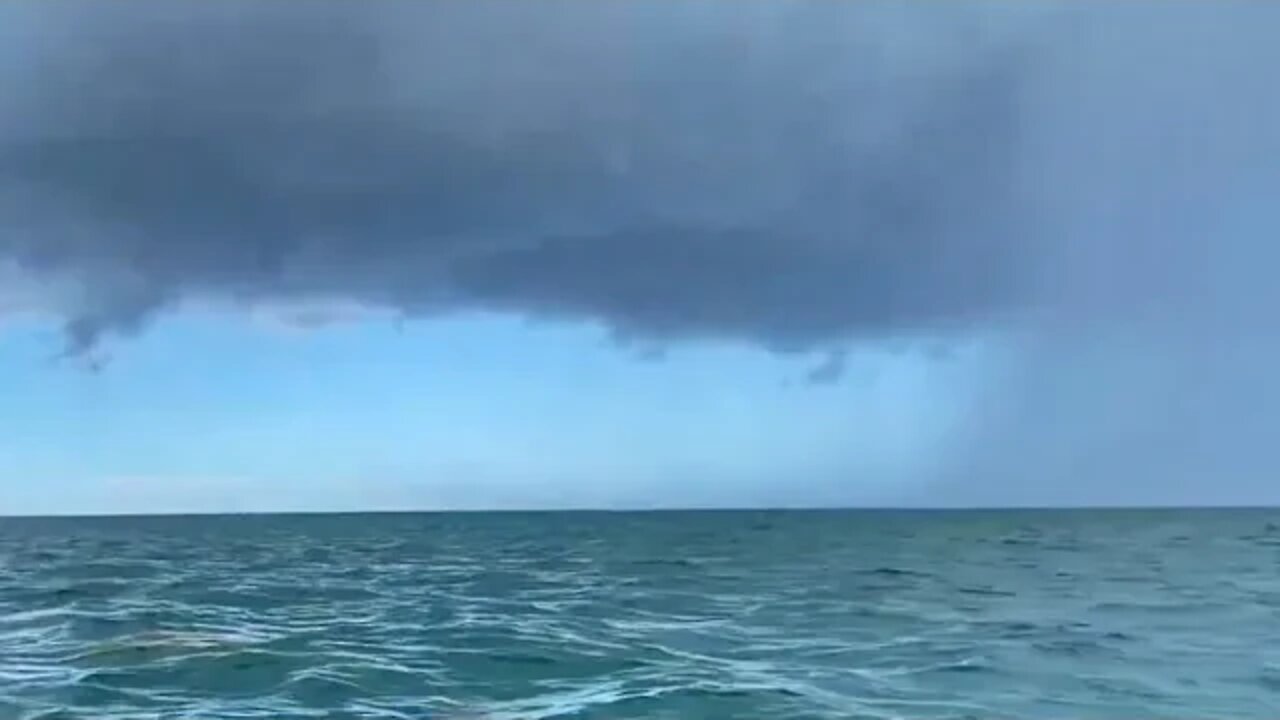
pixel 1090 615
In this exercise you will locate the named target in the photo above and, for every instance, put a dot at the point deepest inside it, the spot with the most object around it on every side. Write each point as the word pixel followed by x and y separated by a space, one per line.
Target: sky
pixel 428 255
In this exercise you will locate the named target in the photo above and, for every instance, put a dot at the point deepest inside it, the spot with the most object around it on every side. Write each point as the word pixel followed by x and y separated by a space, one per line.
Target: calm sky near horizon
pixel 392 255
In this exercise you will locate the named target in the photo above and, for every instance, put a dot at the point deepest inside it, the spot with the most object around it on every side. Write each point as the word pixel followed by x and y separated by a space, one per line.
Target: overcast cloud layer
pixel 1094 181
pixel 787 174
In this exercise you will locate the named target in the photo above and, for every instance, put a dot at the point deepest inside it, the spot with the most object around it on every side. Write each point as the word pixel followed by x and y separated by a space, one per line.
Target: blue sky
pixel 213 411
pixel 1075 201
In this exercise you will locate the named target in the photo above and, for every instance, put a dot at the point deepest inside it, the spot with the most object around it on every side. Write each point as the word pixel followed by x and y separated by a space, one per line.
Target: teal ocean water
pixel 1123 615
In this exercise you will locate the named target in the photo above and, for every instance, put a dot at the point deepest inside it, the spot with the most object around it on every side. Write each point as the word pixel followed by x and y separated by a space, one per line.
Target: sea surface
pixel 1123 615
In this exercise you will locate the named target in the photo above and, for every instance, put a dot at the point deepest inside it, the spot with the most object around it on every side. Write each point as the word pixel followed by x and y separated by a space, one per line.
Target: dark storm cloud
pixel 793 176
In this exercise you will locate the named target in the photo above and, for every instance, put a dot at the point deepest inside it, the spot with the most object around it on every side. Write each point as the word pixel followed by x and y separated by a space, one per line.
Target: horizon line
pixel 637 510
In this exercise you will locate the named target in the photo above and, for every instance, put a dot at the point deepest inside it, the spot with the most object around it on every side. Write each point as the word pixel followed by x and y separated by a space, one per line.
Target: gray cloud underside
pixel 790 176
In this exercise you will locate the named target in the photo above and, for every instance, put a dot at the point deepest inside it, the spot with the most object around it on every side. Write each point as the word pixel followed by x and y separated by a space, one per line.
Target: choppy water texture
pixel 1160 614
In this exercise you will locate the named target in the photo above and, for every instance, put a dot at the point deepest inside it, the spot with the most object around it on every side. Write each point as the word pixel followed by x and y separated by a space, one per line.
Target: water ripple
pixel 699 615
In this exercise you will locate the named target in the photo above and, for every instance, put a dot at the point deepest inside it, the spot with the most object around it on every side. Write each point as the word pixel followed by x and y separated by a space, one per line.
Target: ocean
pixel 1118 614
